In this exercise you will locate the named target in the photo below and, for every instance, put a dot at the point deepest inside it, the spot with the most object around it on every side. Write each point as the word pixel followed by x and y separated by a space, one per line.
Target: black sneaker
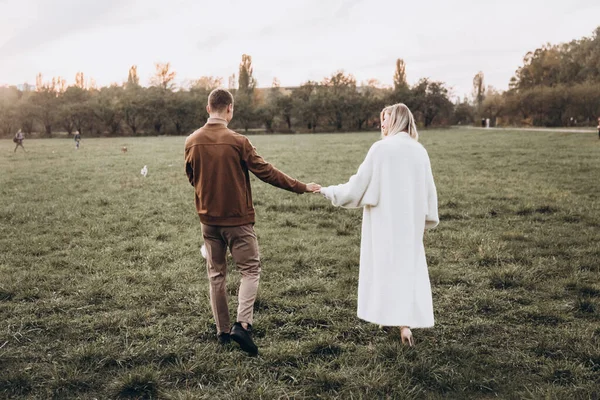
pixel 243 338
pixel 224 338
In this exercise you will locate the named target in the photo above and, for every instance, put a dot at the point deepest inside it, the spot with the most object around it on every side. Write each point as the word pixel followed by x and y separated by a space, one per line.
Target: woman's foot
pixel 406 335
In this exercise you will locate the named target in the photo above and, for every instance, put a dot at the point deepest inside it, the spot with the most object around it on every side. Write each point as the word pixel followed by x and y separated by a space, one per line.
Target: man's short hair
pixel 219 100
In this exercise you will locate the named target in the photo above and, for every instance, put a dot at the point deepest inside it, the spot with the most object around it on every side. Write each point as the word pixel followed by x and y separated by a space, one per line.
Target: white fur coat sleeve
pixel 431 219
pixel 362 189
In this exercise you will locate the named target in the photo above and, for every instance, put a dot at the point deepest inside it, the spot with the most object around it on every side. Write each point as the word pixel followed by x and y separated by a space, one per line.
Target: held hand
pixel 313 188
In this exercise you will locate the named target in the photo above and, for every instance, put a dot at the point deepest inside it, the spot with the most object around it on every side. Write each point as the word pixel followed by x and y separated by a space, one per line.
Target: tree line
pixel 336 103
pixel 557 85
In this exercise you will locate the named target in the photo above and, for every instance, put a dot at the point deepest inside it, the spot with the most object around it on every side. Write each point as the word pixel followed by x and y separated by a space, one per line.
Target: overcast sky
pixel 293 40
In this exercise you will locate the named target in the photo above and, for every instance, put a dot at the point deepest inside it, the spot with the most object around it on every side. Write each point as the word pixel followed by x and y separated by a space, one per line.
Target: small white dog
pixel 205 254
pixel 144 171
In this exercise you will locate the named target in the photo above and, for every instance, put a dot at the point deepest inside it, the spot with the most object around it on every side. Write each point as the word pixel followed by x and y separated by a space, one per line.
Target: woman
pixel 395 186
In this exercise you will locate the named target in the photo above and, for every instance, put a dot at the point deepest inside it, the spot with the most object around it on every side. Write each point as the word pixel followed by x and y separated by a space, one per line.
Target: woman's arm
pixel 360 190
pixel 431 219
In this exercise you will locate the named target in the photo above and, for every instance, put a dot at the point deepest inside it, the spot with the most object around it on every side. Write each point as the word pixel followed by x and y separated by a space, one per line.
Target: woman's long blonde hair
pixel 400 120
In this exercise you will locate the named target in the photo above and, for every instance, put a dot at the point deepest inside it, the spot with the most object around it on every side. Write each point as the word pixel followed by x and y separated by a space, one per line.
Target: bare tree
pixel 80 80
pixel 133 80
pixel 231 82
pixel 207 83
pixel 163 76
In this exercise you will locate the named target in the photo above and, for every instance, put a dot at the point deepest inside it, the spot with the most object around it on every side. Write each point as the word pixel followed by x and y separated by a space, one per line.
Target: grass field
pixel 103 293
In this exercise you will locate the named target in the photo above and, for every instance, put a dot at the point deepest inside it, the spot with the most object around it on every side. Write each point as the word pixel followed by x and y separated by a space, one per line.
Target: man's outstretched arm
pixel 266 172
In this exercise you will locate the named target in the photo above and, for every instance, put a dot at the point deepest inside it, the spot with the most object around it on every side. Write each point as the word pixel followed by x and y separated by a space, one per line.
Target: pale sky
pixel 292 40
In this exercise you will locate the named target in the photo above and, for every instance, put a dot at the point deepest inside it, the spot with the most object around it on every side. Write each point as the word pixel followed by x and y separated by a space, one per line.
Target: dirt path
pixel 566 130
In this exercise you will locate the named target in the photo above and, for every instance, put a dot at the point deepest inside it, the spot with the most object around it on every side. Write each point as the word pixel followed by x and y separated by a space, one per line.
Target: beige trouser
pixel 241 241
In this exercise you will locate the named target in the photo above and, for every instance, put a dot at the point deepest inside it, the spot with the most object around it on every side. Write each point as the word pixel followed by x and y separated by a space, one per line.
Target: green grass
pixel 103 293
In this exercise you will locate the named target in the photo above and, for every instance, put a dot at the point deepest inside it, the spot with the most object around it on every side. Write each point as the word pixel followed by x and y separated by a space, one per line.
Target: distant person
pixel 77 139
pixel 483 122
pixel 598 128
pixel 217 163
pixel 394 186
pixel 18 139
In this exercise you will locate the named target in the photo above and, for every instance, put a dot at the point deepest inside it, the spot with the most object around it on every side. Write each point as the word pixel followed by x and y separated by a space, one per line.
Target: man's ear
pixel 208 109
pixel 230 108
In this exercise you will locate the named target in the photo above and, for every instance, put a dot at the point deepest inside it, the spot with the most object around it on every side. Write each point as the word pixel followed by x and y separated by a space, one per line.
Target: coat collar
pixel 400 134
pixel 214 120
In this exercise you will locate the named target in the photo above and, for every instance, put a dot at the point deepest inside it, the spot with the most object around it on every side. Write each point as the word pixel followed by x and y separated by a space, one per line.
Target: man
pixel 598 128
pixel 217 161
pixel 18 139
